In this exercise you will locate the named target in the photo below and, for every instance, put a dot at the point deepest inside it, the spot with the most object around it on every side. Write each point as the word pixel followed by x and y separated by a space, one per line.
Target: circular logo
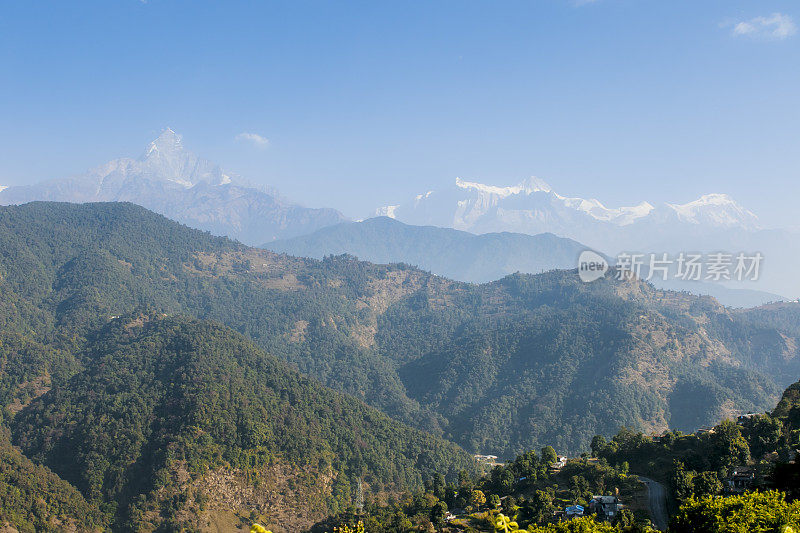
pixel 591 266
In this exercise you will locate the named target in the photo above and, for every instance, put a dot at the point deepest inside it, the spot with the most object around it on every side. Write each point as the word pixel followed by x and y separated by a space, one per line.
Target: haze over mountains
pixel 171 180
pixel 447 252
pixel 464 256
pixel 532 206
pixel 711 223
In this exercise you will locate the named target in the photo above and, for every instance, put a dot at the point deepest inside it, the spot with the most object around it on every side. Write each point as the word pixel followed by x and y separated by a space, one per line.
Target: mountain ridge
pixel 537 192
pixel 446 252
pixel 171 180
pixel 712 223
pixel 378 332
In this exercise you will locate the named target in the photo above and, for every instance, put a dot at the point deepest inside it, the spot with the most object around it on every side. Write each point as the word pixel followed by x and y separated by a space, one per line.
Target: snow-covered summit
pixel 165 161
pixel 532 206
pixel 716 209
pixel 528 186
pixel 171 180
pixel 168 141
pixel 166 158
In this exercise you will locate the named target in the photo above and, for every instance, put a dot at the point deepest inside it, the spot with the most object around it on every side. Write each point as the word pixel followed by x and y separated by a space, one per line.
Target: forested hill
pixel 548 359
pixel 171 417
pixel 34 499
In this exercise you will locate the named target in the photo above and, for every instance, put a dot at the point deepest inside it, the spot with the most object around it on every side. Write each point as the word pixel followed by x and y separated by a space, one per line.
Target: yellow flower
pixel 258 528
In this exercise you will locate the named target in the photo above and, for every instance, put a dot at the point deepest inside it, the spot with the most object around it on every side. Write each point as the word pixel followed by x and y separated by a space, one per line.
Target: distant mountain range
pixel 532 207
pixel 464 256
pixel 712 223
pixel 447 252
pixel 173 181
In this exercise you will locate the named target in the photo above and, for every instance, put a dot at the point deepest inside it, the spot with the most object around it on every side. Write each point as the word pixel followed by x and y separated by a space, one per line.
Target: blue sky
pixel 369 103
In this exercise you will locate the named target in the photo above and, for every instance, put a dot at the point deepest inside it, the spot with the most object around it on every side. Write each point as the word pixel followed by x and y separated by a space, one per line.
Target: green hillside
pixel 33 499
pixel 553 359
pixel 695 471
pixel 166 407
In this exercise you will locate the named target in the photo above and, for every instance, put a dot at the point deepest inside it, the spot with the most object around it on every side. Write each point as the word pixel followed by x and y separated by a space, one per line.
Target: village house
pixel 740 480
pixel 741 419
pixel 489 460
pixel 605 507
pixel 573 511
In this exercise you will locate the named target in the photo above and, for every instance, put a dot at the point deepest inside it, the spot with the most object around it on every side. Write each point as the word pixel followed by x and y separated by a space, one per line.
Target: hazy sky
pixel 358 104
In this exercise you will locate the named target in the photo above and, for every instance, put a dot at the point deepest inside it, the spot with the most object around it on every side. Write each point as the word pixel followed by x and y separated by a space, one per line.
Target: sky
pixel 355 105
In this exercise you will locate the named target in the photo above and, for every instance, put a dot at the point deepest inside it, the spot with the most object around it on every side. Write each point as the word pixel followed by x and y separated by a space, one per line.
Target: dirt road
pixel 657 502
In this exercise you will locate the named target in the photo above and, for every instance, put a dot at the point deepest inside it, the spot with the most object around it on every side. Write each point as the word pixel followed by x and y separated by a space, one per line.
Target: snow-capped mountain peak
pixel 167 159
pixel 529 186
pixel 171 180
pixel 594 208
pixel 168 143
pixel 532 206
pixel 716 209
pixel 621 216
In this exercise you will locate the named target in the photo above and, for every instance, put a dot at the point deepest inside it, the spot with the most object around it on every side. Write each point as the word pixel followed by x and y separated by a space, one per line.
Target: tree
pixel 625 518
pixel 578 525
pixel 510 505
pixel 786 478
pixel 598 445
pixel 539 508
pixel 477 498
pixel 401 522
pixel 754 512
pixel 506 481
pixel 494 501
pixel 682 482
pixel 707 484
pixel 439 514
pixel 728 446
pixel 549 455
pixel 450 494
pixel 465 481
pixel 578 488
pixel 438 486
pixel 763 434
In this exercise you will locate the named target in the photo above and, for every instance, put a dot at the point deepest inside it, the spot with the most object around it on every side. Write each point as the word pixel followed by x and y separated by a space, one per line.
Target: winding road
pixel 657 502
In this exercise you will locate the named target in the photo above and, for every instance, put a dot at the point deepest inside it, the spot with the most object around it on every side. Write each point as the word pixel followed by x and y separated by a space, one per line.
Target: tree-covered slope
pixel 560 359
pixel 33 499
pixel 164 405
pixel 578 358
